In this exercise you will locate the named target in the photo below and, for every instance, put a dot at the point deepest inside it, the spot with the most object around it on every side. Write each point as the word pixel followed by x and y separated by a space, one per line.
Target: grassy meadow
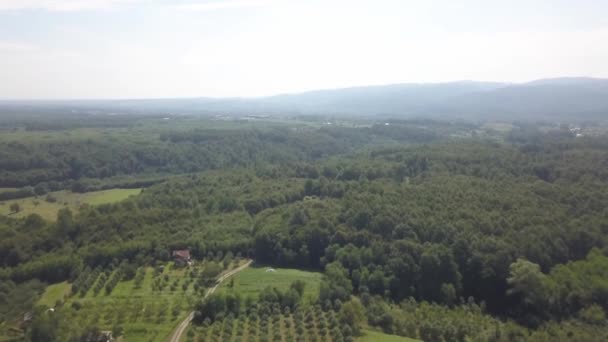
pixel 377 336
pixel 251 281
pixel 55 292
pixel 63 199
pixel 7 189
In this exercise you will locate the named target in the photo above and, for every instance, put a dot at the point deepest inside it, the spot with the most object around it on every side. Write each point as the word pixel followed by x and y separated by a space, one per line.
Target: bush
pixel 593 314
pixel 346 330
pixel 76 305
pixel 15 207
pixel 117 330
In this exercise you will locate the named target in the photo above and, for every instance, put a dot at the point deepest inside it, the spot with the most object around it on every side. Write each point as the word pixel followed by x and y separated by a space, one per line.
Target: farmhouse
pixel 182 257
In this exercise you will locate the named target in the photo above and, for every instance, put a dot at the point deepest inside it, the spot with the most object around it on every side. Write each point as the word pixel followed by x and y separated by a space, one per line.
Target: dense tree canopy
pixel 519 225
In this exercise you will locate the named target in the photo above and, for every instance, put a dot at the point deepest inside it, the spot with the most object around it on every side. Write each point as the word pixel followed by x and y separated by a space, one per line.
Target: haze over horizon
pixel 58 49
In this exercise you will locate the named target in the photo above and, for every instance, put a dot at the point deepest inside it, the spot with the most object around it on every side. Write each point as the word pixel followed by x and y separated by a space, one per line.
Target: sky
pixel 75 49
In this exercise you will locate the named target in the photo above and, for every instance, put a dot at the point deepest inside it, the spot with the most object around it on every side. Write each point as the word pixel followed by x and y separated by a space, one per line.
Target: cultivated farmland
pixel 146 307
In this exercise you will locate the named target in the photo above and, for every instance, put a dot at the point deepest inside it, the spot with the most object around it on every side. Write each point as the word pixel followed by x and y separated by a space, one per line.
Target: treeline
pixel 468 321
pixel 577 288
pixel 63 159
pixel 128 182
pixel 30 163
pixel 48 117
pixel 19 193
pixel 18 298
pixel 80 186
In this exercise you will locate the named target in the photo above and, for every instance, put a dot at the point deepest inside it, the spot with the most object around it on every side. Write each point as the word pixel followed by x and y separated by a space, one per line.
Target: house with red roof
pixel 182 257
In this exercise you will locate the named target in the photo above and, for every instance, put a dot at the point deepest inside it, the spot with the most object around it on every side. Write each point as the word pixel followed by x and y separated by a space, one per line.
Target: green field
pixel 376 336
pixel 64 199
pixel 109 196
pixel 251 281
pixel 53 293
pixel 7 189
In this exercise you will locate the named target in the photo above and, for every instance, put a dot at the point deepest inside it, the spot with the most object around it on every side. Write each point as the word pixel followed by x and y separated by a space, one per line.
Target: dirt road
pixel 177 334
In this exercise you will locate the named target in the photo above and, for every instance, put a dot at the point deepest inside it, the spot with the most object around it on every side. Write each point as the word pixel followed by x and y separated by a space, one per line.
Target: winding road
pixel 177 334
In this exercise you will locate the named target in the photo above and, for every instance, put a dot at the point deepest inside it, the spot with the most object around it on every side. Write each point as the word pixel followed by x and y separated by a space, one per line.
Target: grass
pixel 110 196
pixel 53 293
pixel 65 199
pixel 376 336
pixel 251 281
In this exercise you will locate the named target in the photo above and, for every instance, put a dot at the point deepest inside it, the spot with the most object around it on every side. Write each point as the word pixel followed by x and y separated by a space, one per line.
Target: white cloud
pixel 85 5
pixel 62 5
pixel 12 46
pixel 229 4
pixel 170 50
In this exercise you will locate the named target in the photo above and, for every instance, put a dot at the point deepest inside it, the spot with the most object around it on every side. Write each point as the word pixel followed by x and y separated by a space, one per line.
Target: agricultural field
pixel 48 205
pixel 54 293
pixel 146 307
pixel 377 336
pixel 309 323
pixel 251 281
pixel 7 189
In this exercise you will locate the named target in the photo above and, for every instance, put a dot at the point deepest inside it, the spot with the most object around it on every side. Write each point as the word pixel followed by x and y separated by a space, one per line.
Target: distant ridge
pixel 572 98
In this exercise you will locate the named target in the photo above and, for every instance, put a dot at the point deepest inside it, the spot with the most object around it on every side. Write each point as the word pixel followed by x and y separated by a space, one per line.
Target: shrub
pixel 593 314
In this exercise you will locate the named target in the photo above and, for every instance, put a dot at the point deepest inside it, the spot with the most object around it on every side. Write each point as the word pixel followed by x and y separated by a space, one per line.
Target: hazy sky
pixel 172 48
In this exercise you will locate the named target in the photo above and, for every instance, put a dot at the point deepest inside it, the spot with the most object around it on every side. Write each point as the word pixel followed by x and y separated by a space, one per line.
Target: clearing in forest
pixel 54 293
pixel 377 336
pixel 251 281
pixel 48 205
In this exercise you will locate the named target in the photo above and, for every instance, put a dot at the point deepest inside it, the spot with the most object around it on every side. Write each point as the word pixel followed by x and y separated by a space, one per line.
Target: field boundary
pixel 177 334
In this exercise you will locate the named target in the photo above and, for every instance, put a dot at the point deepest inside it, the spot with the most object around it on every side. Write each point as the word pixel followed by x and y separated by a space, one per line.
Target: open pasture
pixel 48 205
pixel 251 281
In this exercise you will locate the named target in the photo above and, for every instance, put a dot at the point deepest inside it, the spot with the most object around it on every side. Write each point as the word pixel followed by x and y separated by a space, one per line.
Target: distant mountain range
pixel 553 99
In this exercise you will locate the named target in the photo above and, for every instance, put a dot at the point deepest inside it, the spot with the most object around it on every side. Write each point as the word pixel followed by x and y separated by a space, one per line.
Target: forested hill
pixel 54 159
pixel 497 237
pixel 547 99
pixel 402 221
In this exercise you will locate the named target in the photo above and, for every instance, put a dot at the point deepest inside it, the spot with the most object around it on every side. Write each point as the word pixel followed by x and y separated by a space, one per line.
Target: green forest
pixel 428 230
